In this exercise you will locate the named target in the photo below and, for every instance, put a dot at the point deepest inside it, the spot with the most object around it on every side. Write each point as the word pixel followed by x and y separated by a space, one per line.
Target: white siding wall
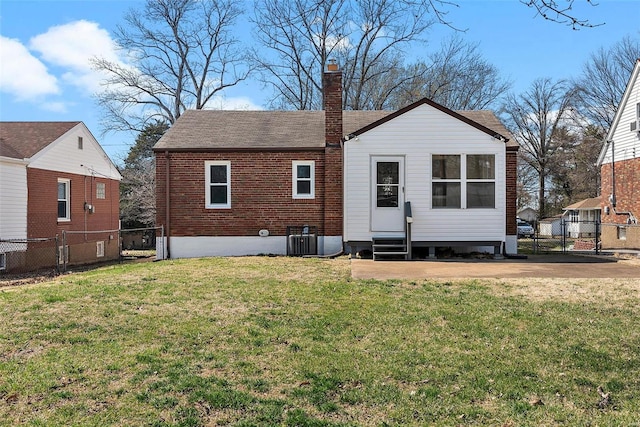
pixel 13 199
pixel 64 155
pixel 417 135
pixel 626 142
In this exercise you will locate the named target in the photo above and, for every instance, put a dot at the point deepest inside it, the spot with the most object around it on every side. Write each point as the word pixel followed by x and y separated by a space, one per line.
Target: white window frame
pixel 463 181
pixel 295 179
pixel 100 248
pixel 67 199
pixel 101 190
pixel 479 181
pixel 208 184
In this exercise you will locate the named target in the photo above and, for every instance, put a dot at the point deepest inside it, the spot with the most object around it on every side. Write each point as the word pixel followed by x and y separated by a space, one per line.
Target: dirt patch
pixel 535 266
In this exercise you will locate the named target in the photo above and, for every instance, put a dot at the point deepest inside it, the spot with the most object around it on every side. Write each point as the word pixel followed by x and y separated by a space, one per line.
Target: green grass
pixel 295 342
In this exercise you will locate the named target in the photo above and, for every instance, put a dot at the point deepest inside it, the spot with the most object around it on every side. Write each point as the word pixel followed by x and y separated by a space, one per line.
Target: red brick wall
pixel 627 190
pixel 332 86
pixel 261 194
pixel 511 176
pixel 42 217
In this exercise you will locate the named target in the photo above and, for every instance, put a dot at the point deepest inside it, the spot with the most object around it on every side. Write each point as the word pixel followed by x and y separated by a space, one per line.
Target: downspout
pixel 167 209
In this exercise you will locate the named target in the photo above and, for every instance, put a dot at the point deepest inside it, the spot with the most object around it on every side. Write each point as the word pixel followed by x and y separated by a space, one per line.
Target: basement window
pixel 100 249
pixel 622 233
pixel 3 261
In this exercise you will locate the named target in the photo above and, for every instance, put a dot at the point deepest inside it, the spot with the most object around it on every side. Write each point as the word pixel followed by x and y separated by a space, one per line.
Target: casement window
pixel 64 199
pixel 463 180
pixel 303 180
pixel 217 184
pixel 101 190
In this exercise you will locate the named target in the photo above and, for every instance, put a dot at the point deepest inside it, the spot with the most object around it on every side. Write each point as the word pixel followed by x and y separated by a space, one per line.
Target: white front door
pixel 387 193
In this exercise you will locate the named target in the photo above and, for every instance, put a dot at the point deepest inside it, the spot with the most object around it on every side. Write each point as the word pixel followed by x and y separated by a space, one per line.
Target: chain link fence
pixel 27 255
pixel 563 236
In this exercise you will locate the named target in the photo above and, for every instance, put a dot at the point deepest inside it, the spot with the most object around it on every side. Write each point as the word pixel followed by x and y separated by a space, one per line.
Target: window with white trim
pixel 481 181
pixel 446 181
pixel 217 184
pixel 64 199
pixel 463 180
pixel 101 190
pixel 303 179
pixel 99 248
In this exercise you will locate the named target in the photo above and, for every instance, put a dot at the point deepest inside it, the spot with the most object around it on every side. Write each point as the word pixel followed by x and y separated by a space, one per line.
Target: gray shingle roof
pixel 237 130
pixel 20 140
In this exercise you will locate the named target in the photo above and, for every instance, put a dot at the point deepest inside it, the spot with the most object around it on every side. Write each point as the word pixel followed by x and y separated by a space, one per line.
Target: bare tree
pixel 604 79
pixel 183 53
pixel 137 188
pixel 366 37
pixel 456 76
pixel 537 119
pixel 560 12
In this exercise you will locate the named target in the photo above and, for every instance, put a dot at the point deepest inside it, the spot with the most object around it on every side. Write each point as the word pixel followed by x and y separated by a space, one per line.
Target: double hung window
pixel 463 180
pixel 218 184
pixel 303 180
pixel 64 199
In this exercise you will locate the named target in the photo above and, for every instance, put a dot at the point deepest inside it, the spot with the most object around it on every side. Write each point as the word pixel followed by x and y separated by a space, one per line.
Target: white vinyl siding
pixel 626 141
pixel 63 155
pixel 217 184
pixel 303 179
pixel 13 199
pixel 417 135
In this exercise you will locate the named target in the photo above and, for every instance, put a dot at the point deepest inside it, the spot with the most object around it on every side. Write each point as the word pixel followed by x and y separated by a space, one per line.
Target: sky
pixel 45 47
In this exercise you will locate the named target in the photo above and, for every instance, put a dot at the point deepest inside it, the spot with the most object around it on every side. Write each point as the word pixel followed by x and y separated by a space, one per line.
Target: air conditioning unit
pixel 302 240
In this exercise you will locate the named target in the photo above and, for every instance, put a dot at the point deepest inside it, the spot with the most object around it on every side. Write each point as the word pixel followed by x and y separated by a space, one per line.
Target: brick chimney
pixel 332 103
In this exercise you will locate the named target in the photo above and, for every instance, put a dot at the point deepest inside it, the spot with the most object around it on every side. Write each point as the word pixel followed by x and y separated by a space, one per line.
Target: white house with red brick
pixel 619 163
pixel 232 182
pixel 55 177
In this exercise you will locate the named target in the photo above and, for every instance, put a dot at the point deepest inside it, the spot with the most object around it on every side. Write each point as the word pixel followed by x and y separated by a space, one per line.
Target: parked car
pixel 524 229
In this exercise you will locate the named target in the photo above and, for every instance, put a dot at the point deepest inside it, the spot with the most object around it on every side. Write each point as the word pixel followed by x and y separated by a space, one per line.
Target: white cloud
pixel 23 75
pixel 71 46
pixel 232 103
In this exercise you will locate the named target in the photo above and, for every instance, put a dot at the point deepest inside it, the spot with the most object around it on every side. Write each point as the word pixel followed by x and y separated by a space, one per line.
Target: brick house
pixel 619 163
pixel 231 182
pixel 55 177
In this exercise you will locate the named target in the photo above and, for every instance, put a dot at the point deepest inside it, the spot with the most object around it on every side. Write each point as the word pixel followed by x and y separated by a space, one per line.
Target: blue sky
pixel 45 46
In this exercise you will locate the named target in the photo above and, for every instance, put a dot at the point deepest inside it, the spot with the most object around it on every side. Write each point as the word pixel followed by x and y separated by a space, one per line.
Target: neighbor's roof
pixel 586 204
pixel 233 130
pixel 21 140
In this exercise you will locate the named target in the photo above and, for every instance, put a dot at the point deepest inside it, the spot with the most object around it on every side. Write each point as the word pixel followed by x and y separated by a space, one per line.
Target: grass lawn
pixel 296 342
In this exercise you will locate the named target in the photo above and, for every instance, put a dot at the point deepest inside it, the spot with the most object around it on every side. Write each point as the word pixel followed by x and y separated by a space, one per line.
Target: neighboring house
pixel 529 215
pixel 55 177
pixel 551 227
pixel 232 182
pixel 619 163
pixel 581 217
